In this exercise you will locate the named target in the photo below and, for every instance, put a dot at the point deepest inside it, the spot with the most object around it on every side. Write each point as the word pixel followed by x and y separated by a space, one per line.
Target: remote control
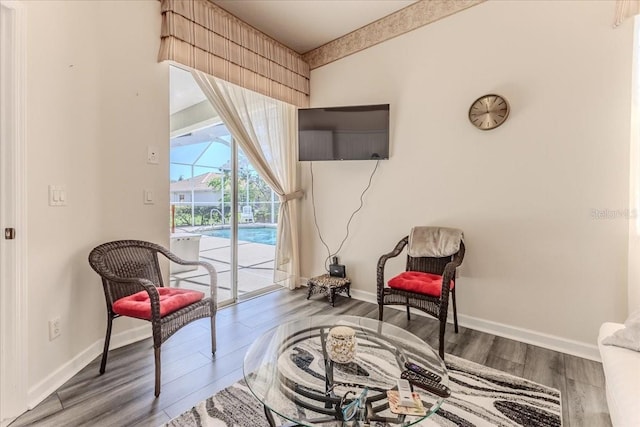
pixel 421 371
pixel 426 383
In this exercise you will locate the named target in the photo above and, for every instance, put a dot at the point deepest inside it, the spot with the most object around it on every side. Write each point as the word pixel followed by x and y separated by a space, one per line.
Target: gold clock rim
pixel 497 124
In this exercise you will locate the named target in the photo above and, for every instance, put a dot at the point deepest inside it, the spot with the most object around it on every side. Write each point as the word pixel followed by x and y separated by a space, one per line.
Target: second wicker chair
pixel 435 304
pixel 132 282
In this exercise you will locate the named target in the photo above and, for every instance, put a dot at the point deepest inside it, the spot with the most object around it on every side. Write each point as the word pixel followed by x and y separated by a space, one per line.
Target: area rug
pixel 480 396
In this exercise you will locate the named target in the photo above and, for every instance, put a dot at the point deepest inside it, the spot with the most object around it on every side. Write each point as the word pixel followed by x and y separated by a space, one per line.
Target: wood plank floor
pixel 123 396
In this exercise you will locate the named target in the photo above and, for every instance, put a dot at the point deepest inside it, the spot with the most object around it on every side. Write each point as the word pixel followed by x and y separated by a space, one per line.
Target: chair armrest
pixel 448 275
pixel 382 261
pixel 450 268
pixel 213 274
pixel 141 284
pixel 173 257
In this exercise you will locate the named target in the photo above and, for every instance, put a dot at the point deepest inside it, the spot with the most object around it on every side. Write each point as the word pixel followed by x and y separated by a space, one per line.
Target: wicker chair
pixel 434 306
pixel 131 266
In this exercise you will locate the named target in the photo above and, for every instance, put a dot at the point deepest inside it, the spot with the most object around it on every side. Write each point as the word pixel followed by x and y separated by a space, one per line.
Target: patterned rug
pixel 480 396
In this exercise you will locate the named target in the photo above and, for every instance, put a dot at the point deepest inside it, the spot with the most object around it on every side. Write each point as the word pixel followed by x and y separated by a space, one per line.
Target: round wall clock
pixel 488 112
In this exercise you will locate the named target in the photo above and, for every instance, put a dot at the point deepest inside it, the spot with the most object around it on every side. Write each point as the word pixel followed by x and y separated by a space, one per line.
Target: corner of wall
pixel 64 373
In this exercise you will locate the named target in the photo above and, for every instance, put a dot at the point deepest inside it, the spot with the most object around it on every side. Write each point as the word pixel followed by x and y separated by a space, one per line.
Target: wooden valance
pixel 201 35
pixel 625 9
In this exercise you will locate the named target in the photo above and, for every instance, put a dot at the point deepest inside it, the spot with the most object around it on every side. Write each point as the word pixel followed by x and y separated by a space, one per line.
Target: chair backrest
pixel 246 210
pixel 433 265
pixel 126 259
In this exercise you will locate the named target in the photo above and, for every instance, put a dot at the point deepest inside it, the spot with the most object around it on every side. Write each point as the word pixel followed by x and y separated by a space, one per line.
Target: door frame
pixel 13 280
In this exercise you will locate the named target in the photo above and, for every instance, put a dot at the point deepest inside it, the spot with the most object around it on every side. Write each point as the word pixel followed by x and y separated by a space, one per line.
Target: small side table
pixel 329 286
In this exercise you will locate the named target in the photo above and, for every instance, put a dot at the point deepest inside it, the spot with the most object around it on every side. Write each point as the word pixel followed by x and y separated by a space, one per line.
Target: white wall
pixel 634 167
pixel 523 193
pixel 96 97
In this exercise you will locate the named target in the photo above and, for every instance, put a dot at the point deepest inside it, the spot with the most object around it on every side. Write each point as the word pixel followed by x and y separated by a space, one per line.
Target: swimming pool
pixel 264 235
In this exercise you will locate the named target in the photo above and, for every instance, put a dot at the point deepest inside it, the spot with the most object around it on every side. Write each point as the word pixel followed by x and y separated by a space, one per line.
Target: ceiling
pixel 183 90
pixel 304 25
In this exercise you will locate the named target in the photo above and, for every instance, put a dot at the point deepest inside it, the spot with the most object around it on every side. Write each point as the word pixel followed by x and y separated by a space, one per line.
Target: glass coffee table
pixel 289 371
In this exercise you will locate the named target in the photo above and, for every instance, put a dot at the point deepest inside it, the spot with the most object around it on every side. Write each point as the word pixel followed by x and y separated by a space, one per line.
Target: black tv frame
pixel 327 134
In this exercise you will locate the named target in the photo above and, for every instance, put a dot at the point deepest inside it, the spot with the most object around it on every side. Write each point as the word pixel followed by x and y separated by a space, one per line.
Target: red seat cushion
pixel 171 299
pixel 417 281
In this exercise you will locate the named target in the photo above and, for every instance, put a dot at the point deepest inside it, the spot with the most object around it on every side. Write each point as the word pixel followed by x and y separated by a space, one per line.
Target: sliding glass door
pixel 222 212
pixel 257 206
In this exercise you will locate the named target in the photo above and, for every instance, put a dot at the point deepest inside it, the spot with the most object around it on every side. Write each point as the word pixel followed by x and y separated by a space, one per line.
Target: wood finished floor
pixel 123 396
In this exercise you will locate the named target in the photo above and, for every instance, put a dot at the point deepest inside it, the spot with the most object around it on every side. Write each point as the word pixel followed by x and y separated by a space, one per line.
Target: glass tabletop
pixel 291 372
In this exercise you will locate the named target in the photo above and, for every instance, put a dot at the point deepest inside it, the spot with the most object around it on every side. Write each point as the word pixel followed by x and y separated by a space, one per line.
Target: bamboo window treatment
pixel 265 129
pixel 205 37
pixel 625 9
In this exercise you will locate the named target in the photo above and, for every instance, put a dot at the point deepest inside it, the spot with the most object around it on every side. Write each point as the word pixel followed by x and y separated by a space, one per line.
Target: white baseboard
pixel 51 383
pixel 540 339
pixel 551 342
pixel 365 296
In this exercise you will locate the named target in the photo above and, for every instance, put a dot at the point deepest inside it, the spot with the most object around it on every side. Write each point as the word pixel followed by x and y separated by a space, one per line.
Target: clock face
pixel 489 112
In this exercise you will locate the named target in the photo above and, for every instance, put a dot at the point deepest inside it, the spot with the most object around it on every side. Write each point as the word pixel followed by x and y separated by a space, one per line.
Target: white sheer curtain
pixel 265 129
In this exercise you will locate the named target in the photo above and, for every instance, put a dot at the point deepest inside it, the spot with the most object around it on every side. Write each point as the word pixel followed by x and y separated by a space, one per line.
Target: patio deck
pixel 255 266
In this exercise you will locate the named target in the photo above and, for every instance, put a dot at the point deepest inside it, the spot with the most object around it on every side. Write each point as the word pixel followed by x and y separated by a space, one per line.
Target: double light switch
pixel 57 195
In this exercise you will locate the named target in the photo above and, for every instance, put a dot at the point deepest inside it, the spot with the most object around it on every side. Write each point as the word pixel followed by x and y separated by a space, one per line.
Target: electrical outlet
pixel 153 157
pixel 54 328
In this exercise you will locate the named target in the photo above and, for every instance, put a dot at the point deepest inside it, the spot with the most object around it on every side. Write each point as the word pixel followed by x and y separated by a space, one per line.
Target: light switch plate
pixel 147 197
pixel 57 195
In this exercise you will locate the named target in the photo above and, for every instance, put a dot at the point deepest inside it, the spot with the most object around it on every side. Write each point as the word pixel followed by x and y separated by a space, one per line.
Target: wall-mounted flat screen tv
pixel 344 133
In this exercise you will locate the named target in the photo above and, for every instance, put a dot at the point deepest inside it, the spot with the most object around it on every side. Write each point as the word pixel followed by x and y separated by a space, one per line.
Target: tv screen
pixel 343 133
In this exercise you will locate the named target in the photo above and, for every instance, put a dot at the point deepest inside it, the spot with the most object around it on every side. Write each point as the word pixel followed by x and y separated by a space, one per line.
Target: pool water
pixel 264 235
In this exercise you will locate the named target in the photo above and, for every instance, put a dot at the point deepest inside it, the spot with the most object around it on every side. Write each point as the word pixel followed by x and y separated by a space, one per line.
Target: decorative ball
pixel 341 344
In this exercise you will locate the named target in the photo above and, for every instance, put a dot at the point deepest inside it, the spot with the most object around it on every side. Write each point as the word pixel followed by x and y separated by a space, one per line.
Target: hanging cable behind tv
pixel 336 269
